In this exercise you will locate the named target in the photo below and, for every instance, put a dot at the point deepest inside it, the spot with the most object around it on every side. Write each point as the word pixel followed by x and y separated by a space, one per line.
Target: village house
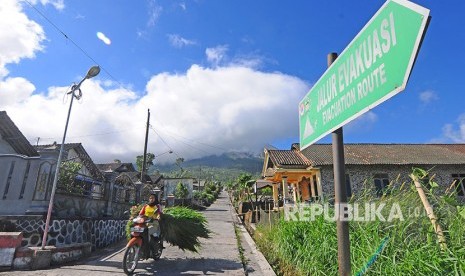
pixel 171 183
pixel 121 185
pixel 19 167
pixel 27 173
pixel 83 210
pixel 126 185
pixel 72 198
pixel 307 175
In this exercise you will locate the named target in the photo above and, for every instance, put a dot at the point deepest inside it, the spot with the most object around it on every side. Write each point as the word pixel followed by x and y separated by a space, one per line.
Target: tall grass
pixel 310 247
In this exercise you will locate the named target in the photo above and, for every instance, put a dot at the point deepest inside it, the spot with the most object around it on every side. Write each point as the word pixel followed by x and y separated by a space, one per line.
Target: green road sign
pixel 373 68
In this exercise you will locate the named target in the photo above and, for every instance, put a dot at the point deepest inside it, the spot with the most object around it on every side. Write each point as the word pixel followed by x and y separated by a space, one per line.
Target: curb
pixel 261 260
pixel 265 267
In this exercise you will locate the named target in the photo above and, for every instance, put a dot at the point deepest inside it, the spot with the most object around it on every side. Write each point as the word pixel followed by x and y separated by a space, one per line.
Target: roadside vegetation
pixel 398 247
pixel 208 195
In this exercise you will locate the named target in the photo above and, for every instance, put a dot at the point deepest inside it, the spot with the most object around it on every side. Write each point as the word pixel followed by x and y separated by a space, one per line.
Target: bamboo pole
pixel 256 214
pixel 430 213
pixel 269 214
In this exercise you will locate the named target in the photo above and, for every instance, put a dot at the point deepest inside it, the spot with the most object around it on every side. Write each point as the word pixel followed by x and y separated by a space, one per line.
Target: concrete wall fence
pixel 99 233
pixel 67 240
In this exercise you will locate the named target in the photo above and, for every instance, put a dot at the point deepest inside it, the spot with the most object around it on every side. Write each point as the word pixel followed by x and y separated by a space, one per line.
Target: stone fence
pixel 63 232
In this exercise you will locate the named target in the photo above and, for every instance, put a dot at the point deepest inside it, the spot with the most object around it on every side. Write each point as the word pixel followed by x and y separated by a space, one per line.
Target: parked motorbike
pixel 142 245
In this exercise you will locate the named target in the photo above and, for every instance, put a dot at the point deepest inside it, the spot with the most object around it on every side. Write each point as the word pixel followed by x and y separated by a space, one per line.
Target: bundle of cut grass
pixel 182 227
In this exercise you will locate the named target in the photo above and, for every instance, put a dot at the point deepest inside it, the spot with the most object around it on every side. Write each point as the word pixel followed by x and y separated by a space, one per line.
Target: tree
pixel 148 162
pixel 243 188
pixel 181 191
pixel 178 163
pixel 68 172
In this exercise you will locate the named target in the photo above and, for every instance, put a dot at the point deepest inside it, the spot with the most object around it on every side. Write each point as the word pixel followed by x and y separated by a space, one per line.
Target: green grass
pixel 310 248
pixel 237 231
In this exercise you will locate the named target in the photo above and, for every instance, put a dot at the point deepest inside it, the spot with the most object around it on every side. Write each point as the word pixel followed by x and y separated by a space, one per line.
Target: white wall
pixel 171 183
pixel 13 199
pixel 5 147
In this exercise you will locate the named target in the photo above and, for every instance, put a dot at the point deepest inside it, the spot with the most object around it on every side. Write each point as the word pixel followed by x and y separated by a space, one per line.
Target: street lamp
pixel 170 152
pixel 76 88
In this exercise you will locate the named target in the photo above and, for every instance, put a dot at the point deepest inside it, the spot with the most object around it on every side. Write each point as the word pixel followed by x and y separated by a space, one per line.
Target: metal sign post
pixel 342 226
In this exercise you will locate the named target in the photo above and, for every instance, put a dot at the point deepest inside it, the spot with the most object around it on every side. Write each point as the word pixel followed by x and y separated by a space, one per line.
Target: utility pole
pixel 340 192
pixel 200 179
pixel 144 162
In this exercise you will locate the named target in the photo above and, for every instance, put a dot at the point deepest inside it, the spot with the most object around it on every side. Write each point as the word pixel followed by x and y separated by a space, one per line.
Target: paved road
pixel 218 255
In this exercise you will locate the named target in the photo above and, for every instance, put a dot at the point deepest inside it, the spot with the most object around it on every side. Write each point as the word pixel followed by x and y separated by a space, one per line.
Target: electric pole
pixel 144 162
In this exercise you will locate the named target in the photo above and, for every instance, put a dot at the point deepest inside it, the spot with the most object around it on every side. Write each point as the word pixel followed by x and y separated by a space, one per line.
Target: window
pixel 348 187
pixel 381 182
pixel 115 194
pixel 127 196
pixel 26 175
pixel 8 181
pixel 315 187
pixel 459 183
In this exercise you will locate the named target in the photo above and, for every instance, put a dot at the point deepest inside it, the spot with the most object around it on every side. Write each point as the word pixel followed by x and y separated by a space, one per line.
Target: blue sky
pixel 216 75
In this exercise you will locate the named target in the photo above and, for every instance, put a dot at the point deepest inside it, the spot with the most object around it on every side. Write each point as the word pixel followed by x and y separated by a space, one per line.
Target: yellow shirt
pixel 151 212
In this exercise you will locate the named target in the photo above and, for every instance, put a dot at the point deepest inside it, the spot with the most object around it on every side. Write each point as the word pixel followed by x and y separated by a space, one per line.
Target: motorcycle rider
pixel 153 211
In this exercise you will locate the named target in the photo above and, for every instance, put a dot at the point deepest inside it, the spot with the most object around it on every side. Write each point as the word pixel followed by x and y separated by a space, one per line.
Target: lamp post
pixel 93 71
pixel 170 152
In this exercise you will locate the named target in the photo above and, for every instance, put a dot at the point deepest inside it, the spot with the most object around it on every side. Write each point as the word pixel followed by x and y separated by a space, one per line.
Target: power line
pixel 72 41
pixel 163 140
pixel 88 135
pixel 190 140
pixel 193 141
pixel 182 142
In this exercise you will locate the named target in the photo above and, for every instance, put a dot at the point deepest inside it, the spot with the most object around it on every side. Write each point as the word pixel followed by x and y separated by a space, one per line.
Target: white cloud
pixel 250 62
pixel 154 11
pixel 179 42
pixel 428 96
pixel 363 123
pixel 233 108
pixel 103 38
pixel 453 133
pixel 183 6
pixel 217 54
pixel 24 36
pixel 15 90
pixel 58 4
pixel 230 107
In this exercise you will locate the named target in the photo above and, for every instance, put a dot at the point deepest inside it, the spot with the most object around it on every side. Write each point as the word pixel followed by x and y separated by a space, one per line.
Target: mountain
pixel 224 167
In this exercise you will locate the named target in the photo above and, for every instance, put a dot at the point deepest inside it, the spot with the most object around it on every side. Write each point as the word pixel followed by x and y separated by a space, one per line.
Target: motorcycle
pixel 142 245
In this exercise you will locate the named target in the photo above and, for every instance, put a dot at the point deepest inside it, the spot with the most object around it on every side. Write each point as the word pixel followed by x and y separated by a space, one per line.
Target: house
pixel 26 180
pixel 88 177
pixel 116 166
pixel 70 200
pixel 170 184
pixel 19 166
pixel 120 177
pixel 199 185
pixel 307 175
pixel 27 173
pixel 125 182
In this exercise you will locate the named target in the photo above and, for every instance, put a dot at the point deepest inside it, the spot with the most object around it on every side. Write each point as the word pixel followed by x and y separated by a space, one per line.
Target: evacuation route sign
pixel 374 67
